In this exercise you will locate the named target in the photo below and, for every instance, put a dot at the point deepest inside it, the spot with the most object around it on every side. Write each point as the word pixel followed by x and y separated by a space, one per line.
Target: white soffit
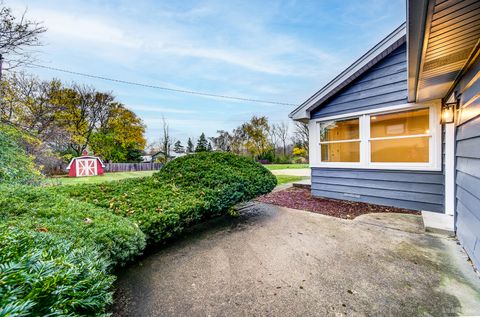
pixel 451 37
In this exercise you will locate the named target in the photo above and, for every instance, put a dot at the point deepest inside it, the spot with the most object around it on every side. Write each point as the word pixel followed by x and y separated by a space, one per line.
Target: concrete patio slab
pixel 273 261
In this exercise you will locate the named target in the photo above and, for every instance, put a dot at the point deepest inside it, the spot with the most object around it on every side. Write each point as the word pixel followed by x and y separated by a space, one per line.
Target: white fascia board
pixel 392 41
pixel 417 17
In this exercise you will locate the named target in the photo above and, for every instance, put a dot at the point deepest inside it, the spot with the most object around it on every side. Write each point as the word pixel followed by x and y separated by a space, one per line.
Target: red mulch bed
pixel 301 198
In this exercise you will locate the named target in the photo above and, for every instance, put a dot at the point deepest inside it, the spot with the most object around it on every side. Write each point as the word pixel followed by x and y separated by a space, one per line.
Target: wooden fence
pixel 132 167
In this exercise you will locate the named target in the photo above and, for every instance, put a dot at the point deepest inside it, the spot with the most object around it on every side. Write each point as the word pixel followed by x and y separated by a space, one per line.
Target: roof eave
pixel 393 40
pixel 417 15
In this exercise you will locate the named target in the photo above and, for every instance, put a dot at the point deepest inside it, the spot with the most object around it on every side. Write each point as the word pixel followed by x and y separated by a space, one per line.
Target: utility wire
pixel 191 92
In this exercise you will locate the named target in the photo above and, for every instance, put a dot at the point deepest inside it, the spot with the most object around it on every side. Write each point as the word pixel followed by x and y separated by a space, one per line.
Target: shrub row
pixel 185 191
pixel 57 244
pixel 40 209
pixel 56 253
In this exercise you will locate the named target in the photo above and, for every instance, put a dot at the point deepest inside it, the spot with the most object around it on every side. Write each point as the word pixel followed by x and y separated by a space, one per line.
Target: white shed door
pixel 86 167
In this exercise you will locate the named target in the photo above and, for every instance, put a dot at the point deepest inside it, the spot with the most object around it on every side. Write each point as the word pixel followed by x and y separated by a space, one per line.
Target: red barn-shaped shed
pixel 85 165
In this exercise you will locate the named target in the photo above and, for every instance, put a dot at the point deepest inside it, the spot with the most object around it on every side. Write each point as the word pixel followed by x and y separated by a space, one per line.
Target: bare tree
pixel 273 134
pixel 18 37
pixel 237 144
pixel 165 141
pixel 223 141
pixel 28 104
pixel 282 134
pixel 301 134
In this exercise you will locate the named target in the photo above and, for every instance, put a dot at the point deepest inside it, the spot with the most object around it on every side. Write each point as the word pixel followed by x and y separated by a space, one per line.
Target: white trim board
pixel 450 169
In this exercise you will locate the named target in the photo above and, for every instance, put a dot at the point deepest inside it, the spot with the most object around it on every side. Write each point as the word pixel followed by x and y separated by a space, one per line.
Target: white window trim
pixel 435 143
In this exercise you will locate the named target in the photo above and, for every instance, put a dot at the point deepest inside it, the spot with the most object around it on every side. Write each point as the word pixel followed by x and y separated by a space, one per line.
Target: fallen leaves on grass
pixel 301 198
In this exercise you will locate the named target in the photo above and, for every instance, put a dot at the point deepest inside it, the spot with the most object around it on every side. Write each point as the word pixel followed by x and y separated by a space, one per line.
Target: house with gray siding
pixel 401 125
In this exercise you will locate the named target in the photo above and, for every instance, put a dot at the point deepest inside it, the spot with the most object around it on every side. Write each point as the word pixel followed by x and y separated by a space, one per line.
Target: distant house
pixel 401 125
pixel 154 156
pixel 146 159
pixel 85 165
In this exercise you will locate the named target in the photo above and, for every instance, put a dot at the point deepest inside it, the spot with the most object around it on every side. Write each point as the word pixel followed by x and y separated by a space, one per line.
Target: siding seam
pixel 376 87
pixel 391 189
pixel 382 197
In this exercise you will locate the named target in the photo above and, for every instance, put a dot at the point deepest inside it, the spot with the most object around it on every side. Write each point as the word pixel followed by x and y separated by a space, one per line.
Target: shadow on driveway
pixel 274 261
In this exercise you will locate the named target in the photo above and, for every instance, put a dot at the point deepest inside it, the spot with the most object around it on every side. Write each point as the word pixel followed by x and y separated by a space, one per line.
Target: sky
pixel 282 51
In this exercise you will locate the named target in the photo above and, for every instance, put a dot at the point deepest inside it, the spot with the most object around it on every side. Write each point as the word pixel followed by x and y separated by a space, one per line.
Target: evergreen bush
pixel 45 275
pixel 185 191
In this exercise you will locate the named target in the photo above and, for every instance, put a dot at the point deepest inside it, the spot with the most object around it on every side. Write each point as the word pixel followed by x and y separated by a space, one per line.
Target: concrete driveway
pixel 273 261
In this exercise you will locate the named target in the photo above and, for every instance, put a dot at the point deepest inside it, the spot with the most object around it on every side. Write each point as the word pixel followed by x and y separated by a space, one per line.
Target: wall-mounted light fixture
pixel 448 113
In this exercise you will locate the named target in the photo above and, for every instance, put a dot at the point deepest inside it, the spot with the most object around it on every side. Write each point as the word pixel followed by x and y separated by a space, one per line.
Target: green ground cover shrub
pixel 83 224
pixel 187 190
pixel 45 275
pixel 58 244
pixel 219 171
pixel 15 165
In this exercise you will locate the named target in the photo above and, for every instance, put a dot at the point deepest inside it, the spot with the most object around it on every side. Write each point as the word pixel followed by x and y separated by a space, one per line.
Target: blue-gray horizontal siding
pixel 468 166
pixel 418 190
pixel 384 84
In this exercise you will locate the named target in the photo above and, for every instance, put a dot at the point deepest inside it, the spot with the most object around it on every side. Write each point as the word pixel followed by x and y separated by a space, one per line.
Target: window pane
pixel 400 123
pixel 409 150
pixel 339 130
pixel 341 152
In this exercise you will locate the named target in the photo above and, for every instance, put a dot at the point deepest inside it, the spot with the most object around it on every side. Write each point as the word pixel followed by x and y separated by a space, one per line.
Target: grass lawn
pixel 96 179
pixel 284 166
pixel 283 179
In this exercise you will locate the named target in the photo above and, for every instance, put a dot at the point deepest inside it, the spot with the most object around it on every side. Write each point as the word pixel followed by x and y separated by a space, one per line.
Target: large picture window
pixel 400 137
pixel 396 138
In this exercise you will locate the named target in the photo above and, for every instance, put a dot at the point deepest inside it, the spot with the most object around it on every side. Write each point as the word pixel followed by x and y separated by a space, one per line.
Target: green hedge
pixel 83 224
pixel 57 244
pixel 16 167
pixel 187 190
pixel 56 253
pixel 41 274
pixel 238 176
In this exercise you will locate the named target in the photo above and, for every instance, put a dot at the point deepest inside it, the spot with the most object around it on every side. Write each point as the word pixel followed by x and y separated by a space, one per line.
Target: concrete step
pixel 438 223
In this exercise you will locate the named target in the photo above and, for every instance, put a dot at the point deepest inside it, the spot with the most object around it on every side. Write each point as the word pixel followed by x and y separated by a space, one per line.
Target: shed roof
pixel 82 157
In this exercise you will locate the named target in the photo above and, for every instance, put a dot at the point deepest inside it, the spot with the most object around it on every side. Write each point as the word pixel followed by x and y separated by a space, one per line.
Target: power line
pixel 191 92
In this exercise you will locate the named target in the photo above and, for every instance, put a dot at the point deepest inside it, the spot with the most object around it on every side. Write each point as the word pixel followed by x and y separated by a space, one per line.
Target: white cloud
pixel 259 50
pixel 208 46
pixel 75 27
